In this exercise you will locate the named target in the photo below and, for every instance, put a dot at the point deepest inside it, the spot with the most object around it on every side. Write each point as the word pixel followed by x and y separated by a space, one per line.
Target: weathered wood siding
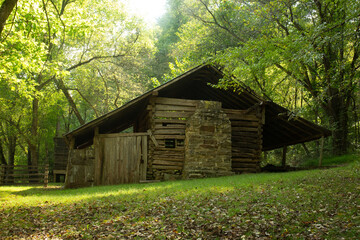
pixel 246 139
pixel 61 151
pixel 80 168
pixel 168 118
pixel 120 158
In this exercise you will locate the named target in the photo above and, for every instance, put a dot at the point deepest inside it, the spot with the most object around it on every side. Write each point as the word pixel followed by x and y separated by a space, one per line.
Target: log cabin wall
pixel 167 118
pixel 61 151
pixel 246 138
pixel 167 122
pixel 80 172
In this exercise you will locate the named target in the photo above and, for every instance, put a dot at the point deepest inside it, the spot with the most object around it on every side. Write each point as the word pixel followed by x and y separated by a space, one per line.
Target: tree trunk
pixel 60 84
pixel 34 132
pixel 2 155
pixel 29 156
pixel 338 113
pixel 5 11
pixel 11 150
pixel 11 157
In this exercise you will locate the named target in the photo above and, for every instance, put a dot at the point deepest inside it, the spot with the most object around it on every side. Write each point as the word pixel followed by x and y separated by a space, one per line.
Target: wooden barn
pixel 183 129
pixel 61 151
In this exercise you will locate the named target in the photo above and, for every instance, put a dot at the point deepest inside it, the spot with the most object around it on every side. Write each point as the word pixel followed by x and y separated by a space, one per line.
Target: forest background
pixel 66 62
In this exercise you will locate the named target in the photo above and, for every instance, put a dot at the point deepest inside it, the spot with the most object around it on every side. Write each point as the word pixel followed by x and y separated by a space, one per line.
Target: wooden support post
pixel 144 150
pixel 153 138
pixel 283 160
pixel 46 175
pixel 321 151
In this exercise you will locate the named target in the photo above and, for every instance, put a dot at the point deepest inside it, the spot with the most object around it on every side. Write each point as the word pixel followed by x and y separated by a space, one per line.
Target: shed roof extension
pixel 279 129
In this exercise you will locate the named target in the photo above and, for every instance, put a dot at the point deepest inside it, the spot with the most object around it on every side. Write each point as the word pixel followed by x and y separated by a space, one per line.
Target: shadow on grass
pixel 32 196
pixel 180 188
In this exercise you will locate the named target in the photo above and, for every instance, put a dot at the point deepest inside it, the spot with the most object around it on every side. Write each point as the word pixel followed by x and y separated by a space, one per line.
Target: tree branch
pixel 5 10
pixel 92 59
pixel 86 100
pixel 216 22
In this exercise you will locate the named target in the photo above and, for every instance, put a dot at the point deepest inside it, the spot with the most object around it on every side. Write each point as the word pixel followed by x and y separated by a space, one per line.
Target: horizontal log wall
pixel 168 118
pixel 61 151
pixel 246 139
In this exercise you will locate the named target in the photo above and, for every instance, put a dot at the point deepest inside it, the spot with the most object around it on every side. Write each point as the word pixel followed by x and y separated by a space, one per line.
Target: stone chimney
pixel 207 142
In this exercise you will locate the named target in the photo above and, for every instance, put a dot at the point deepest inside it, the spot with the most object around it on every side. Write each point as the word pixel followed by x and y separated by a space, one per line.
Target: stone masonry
pixel 207 142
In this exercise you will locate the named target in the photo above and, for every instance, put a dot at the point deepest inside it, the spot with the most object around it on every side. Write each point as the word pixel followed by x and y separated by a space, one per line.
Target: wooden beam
pixel 114 135
pixel 153 138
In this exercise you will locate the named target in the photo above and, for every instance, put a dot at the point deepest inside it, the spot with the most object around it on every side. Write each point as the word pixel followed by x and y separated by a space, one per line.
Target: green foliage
pixel 92 50
pixel 318 204
pixel 166 38
pixel 330 161
pixel 303 54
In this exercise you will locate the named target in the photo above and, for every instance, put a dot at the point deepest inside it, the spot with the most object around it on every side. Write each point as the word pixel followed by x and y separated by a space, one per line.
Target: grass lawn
pixel 314 204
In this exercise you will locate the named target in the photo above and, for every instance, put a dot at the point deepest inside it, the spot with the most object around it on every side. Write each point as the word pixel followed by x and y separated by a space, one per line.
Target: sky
pixel 150 10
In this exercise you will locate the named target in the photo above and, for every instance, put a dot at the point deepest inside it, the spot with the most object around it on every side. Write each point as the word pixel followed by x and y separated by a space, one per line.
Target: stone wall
pixel 207 142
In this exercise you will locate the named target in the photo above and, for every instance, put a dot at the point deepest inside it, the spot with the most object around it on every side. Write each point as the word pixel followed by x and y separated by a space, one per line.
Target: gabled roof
pixel 195 84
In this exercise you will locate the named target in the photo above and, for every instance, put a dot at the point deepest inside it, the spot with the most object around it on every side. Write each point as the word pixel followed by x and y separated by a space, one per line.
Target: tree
pixel 6 8
pixel 272 44
pixel 51 44
pixel 167 37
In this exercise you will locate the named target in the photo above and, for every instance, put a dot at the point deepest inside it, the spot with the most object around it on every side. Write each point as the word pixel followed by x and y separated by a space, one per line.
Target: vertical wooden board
pixel 110 161
pixel 105 161
pixel 121 158
pixel 101 160
pixel 114 152
pixel 111 151
pixel 125 162
pixel 133 160
pixel 97 162
pixel 118 160
pixel 141 161
pixel 144 157
pixel 122 161
pixel 138 158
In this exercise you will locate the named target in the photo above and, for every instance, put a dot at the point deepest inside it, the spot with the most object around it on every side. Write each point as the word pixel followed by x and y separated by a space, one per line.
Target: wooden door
pixel 120 158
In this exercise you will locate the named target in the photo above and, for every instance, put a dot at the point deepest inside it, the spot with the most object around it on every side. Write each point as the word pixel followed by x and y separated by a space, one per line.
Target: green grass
pixel 331 161
pixel 313 204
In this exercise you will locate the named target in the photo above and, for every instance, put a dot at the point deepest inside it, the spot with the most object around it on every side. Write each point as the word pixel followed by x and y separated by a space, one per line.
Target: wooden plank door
pixel 122 158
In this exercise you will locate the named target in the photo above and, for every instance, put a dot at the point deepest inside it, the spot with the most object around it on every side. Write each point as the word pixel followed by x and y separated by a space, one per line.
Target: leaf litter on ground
pixel 314 204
